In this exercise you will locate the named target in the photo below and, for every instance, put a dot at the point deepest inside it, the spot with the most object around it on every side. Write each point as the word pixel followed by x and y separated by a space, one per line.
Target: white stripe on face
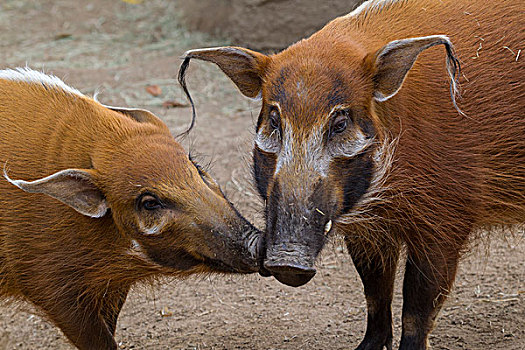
pixel 270 143
pixel 152 230
pixel 310 153
pixel 303 155
pixel 353 147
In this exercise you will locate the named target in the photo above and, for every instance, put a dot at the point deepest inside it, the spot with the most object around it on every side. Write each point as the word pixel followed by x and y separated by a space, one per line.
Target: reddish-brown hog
pixel 359 127
pixel 96 199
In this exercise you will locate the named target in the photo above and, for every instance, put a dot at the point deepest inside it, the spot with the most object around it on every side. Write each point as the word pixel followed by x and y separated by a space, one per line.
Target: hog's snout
pixel 290 264
pixel 246 249
pixel 290 273
pixel 231 246
pixel 297 221
pixel 290 254
pixel 251 261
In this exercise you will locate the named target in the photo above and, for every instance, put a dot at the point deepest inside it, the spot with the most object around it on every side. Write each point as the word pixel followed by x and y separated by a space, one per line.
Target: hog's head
pixel 173 214
pixel 319 142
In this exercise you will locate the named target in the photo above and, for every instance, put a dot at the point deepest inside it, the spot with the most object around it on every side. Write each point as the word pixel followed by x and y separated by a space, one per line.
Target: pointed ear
pixel 73 187
pixel 392 62
pixel 244 67
pixel 140 115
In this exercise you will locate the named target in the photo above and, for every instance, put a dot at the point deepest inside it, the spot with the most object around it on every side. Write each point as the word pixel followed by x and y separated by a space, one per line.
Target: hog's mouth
pixel 182 260
pixel 177 259
pixel 221 266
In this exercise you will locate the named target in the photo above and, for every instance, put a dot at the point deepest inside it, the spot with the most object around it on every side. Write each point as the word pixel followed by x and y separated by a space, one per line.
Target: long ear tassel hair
pixel 182 81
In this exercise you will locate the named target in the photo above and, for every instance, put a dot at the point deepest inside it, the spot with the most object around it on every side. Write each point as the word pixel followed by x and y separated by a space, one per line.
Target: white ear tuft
pixel 394 60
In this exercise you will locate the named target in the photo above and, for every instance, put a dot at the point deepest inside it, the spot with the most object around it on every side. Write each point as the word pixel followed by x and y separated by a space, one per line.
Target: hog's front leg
pixel 429 277
pixel 83 325
pixel 377 272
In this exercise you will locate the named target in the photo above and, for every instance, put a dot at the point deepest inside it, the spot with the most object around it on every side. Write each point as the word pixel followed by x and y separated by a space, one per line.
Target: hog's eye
pixel 274 117
pixel 150 202
pixel 340 122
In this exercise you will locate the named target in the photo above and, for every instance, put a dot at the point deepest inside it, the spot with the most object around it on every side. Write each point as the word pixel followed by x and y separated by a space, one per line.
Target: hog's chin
pixel 220 266
pixel 181 260
pixel 176 259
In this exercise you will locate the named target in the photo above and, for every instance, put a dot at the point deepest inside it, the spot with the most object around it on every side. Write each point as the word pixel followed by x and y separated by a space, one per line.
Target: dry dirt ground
pixel 118 49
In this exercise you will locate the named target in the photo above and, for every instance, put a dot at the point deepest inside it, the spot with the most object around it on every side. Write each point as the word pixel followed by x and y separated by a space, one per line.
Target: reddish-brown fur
pixel 78 269
pixel 444 174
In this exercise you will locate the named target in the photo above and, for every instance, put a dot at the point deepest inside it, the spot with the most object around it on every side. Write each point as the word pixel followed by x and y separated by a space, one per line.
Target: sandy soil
pixel 118 49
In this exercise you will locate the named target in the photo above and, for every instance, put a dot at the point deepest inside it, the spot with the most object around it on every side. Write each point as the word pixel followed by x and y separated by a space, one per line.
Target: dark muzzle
pixel 294 234
pixel 291 274
pixel 291 267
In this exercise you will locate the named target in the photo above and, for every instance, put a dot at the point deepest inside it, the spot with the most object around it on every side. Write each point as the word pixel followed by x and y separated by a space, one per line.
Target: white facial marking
pixel 271 143
pixel 351 149
pixel 312 149
pixel 153 230
pixel 286 154
pixel 28 75
pixel 135 245
pixel 137 251
pixel 314 154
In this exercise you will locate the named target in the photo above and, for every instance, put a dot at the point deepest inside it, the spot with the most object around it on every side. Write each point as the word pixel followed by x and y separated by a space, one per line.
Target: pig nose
pixel 291 274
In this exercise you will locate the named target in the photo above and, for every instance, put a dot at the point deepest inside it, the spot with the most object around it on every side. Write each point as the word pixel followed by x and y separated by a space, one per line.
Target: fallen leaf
pixel 63 36
pixel 165 312
pixel 173 104
pixel 154 90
